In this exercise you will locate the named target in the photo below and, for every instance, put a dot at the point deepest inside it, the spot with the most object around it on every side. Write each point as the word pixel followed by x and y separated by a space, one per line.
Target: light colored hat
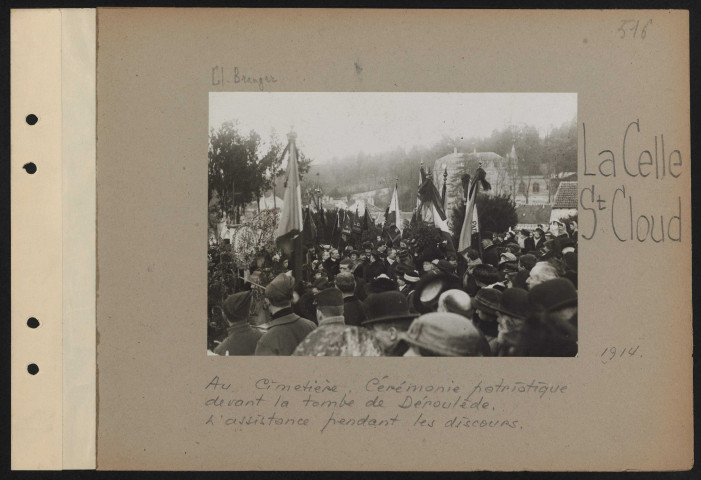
pixel 446 334
pixel 339 341
pixel 507 257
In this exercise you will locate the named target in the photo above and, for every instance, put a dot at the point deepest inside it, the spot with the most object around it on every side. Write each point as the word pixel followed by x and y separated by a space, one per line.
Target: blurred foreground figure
pixel 444 334
pixel 337 340
pixel 242 337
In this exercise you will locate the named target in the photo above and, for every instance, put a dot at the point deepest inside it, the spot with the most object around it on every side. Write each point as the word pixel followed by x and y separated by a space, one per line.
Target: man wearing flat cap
pixel 287 329
pixel 242 337
pixel 329 307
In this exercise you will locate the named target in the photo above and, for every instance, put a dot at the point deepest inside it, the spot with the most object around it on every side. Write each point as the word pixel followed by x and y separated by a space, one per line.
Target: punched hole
pixel 32 368
pixel 32 322
pixel 32 119
pixel 30 167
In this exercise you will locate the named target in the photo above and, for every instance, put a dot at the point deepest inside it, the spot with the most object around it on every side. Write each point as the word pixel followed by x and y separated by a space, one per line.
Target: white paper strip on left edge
pixel 36 239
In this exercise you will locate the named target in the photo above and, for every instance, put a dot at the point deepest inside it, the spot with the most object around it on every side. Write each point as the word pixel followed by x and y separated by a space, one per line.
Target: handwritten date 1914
pixel 611 353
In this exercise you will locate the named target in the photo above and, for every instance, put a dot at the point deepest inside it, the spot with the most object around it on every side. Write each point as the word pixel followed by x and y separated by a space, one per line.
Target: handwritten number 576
pixel 633 26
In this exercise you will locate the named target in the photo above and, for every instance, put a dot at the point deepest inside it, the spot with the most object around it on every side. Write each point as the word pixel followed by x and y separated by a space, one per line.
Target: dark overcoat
pixel 284 334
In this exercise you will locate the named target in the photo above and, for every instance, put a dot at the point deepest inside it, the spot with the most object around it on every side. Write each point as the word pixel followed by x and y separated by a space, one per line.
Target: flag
pixel 392 235
pixel 422 178
pixel 336 224
pixel 366 222
pixel 431 207
pixel 291 220
pixel 356 222
pixel 445 186
pixel 309 231
pixel 471 223
pixel 347 223
pixel 393 217
pixel 322 231
pixel 336 229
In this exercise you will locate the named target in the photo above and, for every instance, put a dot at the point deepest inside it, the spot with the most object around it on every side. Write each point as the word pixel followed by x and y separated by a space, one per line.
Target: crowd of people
pixel 513 295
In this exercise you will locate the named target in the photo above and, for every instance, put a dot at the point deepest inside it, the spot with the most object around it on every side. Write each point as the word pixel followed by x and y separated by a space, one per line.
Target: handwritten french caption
pixel 383 402
pixel 227 77
pixel 638 159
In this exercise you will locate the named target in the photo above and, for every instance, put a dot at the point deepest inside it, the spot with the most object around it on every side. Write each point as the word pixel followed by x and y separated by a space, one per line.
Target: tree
pixel 496 214
pixel 423 234
pixel 560 148
pixel 335 193
pixel 234 170
pixel 271 163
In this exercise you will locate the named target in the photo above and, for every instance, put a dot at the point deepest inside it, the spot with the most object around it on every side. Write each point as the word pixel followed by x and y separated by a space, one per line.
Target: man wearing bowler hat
pixel 388 315
pixel 287 329
pixel 242 337
pixel 512 312
pixel 484 316
pixel 557 298
pixel 552 333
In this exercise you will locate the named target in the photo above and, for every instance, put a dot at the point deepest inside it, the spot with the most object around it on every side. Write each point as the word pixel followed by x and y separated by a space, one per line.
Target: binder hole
pixel 32 322
pixel 32 119
pixel 30 167
pixel 32 368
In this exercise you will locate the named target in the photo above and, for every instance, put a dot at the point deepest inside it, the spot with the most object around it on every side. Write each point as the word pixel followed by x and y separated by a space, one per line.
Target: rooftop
pixel 566 196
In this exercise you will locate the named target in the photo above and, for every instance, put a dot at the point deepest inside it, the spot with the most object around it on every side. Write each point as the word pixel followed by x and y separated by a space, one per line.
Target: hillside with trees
pixel 242 167
pixel 549 155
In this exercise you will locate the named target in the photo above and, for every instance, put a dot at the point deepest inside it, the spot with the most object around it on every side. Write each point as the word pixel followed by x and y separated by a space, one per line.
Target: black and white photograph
pixel 392 224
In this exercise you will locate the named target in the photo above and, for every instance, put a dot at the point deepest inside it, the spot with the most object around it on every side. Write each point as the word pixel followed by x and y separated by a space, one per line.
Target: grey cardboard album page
pixel 292 203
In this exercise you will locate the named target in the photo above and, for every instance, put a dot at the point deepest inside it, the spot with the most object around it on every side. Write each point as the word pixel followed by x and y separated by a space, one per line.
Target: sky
pixel 330 124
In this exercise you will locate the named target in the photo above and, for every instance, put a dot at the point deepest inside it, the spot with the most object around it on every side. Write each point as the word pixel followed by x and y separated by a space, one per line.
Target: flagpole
pixel 297 244
pixel 340 233
pixel 397 221
pixel 445 184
